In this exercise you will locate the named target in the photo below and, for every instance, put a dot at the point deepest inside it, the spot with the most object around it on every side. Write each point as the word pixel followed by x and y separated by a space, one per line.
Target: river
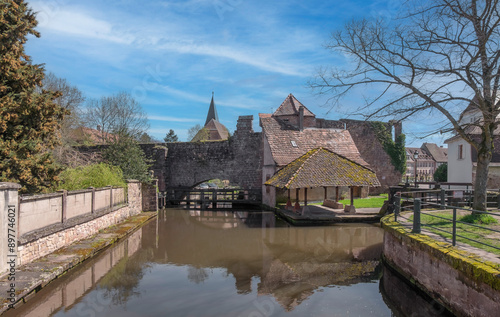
pixel 243 264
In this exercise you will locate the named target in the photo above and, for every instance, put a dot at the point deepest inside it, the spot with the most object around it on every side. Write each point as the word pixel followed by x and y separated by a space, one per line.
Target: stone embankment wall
pixel 454 278
pixel 38 237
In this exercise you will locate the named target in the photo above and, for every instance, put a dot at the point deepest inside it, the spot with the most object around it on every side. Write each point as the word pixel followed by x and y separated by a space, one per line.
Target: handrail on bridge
pixel 417 201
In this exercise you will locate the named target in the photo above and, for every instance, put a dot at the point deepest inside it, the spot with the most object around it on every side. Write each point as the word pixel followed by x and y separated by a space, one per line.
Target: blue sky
pixel 171 55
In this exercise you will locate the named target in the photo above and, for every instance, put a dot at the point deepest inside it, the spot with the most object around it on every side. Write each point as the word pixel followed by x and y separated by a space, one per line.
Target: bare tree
pixel 118 114
pixel 71 99
pixel 438 57
pixel 197 133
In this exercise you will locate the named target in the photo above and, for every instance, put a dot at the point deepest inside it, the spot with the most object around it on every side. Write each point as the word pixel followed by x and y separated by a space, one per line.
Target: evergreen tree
pixel 441 173
pixel 29 118
pixel 125 153
pixel 171 137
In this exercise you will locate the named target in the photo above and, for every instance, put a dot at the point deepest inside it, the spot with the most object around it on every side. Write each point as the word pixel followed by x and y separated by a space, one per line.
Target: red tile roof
pixel 291 107
pixel 321 167
pixel 283 151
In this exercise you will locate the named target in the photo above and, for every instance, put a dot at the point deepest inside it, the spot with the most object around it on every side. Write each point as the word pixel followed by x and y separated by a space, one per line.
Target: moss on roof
pixel 321 167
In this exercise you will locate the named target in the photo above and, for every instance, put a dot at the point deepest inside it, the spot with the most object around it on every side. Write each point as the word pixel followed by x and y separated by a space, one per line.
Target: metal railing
pixel 424 202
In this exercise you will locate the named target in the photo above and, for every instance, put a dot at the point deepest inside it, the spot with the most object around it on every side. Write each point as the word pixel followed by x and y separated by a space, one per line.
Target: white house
pixel 462 157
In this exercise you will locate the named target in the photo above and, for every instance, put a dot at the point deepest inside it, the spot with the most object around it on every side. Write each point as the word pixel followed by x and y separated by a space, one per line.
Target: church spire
pixel 212 111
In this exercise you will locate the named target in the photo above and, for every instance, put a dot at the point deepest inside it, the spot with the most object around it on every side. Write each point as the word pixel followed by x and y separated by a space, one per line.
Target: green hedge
pixel 95 175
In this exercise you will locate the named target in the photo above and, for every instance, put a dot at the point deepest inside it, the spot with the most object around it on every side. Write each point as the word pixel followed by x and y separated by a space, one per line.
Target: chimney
pixel 398 129
pixel 244 124
pixel 301 118
pixel 99 127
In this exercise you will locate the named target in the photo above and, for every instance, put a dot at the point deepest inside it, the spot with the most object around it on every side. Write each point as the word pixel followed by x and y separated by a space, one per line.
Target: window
pixel 460 151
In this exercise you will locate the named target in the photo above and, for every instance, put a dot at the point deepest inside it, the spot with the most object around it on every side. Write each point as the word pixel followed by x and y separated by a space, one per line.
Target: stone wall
pixel 371 150
pixel 454 278
pixel 46 244
pixel 237 160
pixel 150 196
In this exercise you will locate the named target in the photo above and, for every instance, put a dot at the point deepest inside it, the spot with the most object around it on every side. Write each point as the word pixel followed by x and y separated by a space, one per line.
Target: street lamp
pixel 415 156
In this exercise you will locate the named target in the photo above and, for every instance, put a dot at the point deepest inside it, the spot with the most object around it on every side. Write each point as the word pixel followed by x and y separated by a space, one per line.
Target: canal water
pixel 251 264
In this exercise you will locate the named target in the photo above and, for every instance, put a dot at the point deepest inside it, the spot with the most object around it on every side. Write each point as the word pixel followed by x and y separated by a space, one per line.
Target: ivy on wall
pixel 395 149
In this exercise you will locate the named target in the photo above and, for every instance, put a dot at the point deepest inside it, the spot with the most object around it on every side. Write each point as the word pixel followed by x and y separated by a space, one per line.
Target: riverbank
pixel 32 277
pixel 463 282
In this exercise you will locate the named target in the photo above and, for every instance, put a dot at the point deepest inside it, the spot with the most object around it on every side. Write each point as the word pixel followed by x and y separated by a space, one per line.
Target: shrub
pixel 441 173
pixel 483 219
pixel 95 175
pixel 129 157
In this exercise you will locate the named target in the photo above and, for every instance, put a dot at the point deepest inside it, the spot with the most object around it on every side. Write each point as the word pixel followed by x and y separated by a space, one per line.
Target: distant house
pixel 462 157
pixel 213 129
pixel 84 135
pixel 293 130
pixel 438 153
pixel 430 157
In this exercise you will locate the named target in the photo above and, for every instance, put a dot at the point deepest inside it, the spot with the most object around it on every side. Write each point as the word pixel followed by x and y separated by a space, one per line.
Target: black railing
pixel 410 206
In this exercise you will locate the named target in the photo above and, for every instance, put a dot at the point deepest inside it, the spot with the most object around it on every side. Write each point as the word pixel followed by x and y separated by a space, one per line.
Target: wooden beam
pixel 326 192
pixel 352 195
pixel 305 196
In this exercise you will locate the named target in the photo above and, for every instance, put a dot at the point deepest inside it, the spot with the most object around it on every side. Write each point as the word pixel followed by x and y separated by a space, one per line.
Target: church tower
pixel 213 129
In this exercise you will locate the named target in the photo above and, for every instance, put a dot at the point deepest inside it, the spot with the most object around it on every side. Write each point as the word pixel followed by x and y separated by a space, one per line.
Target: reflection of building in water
pixel 290 262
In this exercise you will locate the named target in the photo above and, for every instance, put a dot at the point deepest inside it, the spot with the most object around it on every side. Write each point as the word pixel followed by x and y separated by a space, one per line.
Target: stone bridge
pixel 186 164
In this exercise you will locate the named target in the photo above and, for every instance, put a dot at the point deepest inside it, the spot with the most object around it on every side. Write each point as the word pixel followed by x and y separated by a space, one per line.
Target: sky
pixel 171 55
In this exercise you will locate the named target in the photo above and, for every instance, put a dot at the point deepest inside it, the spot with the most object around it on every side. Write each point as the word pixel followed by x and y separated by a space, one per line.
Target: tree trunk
pixel 483 162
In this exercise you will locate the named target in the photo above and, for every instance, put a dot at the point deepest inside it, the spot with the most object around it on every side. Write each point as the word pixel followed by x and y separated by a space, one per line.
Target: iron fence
pixel 427 202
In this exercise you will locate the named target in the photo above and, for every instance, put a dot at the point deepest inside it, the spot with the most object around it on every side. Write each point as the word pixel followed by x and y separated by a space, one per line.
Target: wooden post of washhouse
pixel 305 196
pixel 326 193
pixel 337 193
pixel 352 195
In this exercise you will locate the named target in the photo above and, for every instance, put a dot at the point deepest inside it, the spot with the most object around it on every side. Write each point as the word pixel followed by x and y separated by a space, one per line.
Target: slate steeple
pixel 212 111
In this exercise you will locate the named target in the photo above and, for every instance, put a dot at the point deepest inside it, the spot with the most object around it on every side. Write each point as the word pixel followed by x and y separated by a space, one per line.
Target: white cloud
pixel 52 16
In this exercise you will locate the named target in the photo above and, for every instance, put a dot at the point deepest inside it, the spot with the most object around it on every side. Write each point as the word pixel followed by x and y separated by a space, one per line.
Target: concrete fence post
pixel 111 197
pixel 92 201
pixel 9 226
pixel 64 204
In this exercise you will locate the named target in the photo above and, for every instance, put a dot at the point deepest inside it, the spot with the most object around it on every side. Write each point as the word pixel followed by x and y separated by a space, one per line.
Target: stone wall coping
pixel 40 196
pixel 132 181
pixel 468 263
pixel 7 185
pixel 60 193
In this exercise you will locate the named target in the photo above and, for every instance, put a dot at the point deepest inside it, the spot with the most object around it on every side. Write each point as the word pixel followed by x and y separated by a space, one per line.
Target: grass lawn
pixel 464 231
pixel 370 202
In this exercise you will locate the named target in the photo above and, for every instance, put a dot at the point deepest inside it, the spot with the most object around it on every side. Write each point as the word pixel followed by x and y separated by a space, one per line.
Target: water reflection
pixel 205 263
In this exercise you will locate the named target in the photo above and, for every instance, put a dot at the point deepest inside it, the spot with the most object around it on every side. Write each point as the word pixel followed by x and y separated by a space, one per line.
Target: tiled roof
pixel 421 154
pixel 82 134
pixel 284 151
pixel 212 111
pixel 439 154
pixel 291 107
pixel 214 130
pixel 321 167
